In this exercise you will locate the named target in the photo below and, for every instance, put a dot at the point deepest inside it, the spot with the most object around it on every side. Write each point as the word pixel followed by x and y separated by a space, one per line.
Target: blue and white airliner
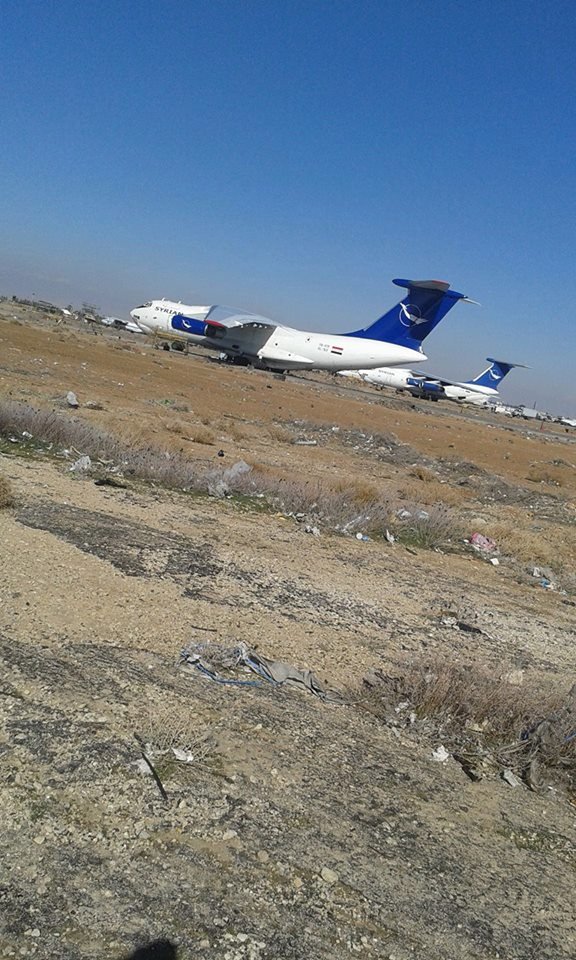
pixel 394 339
pixel 480 390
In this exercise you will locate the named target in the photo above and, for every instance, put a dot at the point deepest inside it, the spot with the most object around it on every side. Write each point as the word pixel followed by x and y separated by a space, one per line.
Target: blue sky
pixel 292 157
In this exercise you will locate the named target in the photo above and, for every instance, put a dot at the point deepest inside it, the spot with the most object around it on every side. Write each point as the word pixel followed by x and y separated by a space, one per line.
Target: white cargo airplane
pixel 480 390
pixel 394 339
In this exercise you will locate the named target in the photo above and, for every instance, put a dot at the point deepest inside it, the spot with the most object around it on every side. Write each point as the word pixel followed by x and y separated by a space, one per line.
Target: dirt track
pixel 100 590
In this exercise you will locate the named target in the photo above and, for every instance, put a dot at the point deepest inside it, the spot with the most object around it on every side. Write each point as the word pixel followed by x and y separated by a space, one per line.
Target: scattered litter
pixel 219 483
pixel 82 464
pixel 483 544
pixel 72 399
pixel 93 405
pixel 390 537
pixel 470 766
pixel 149 764
pixel 109 480
pixel 441 754
pixel 362 536
pixel 494 561
pixel 27 435
pixel 449 618
pixel 236 470
pixel 143 767
pixel 183 756
pixel 306 443
pixel 403 514
pixel 242 657
pixel 218 488
pixel 510 778
pixel 313 530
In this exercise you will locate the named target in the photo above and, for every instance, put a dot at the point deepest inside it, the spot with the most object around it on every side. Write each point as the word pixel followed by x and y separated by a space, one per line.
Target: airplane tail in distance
pixel 411 320
pixel 494 374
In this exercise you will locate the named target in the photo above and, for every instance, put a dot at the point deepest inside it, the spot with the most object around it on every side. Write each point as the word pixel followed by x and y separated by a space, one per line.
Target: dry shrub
pixel 423 473
pixel 434 528
pixel 560 474
pixel 169 726
pixel 433 491
pixel 280 434
pixel 57 431
pixel 555 547
pixel 199 434
pixel 236 431
pixel 358 491
pixel 466 705
pixel 6 493
pixel 177 427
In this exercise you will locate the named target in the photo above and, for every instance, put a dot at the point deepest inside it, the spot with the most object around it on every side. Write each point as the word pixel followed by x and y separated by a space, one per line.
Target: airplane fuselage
pixel 275 347
pixel 400 379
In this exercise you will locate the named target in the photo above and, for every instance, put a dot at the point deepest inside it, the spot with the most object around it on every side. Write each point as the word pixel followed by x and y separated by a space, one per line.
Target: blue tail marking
pixel 493 374
pixel 410 321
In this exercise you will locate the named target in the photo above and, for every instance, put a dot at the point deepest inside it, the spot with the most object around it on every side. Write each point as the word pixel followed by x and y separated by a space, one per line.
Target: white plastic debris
pixel 72 399
pixel 510 778
pixel 82 463
pixel 390 537
pixel 494 561
pixel 236 470
pixel 440 754
pixel 143 768
pixel 184 756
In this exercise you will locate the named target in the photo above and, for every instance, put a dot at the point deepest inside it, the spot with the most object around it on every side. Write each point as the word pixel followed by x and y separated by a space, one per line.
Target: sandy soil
pixel 302 828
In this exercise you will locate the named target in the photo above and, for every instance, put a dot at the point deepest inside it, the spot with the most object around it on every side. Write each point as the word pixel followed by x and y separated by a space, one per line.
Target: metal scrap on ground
pixel 205 657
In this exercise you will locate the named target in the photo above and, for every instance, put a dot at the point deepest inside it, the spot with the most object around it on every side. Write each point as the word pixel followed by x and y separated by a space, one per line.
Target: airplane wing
pixel 219 316
pixel 437 381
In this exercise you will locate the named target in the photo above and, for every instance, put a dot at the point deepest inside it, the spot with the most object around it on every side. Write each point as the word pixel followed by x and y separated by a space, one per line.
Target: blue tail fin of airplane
pixel 493 374
pixel 411 320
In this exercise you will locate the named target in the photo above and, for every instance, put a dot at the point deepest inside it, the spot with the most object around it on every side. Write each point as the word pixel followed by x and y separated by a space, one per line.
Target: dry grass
pixel 468 706
pixel 434 491
pixel 280 434
pixel 552 547
pixel 169 726
pixel 434 528
pixel 58 432
pixel 232 429
pixel 423 473
pixel 177 427
pixel 7 498
pixel 559 474
pixel 200 434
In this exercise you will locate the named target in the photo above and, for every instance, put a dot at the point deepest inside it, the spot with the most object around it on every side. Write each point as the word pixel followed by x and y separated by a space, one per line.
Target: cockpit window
pixel 143 305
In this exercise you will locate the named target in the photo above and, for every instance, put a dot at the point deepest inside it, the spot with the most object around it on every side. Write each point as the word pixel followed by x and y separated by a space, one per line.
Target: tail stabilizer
pixel 410 321
pixel 494 374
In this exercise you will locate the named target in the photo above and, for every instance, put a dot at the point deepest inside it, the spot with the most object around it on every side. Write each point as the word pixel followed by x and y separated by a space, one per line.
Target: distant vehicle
pixel 480 390
pixel 394 339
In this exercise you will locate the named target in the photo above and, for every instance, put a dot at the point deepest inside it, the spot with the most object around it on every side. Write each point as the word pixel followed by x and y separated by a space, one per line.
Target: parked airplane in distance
pixel 479 390
pixel 395 338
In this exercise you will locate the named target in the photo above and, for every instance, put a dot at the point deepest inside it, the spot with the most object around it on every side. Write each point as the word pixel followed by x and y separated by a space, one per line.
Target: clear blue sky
pixel 291 157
